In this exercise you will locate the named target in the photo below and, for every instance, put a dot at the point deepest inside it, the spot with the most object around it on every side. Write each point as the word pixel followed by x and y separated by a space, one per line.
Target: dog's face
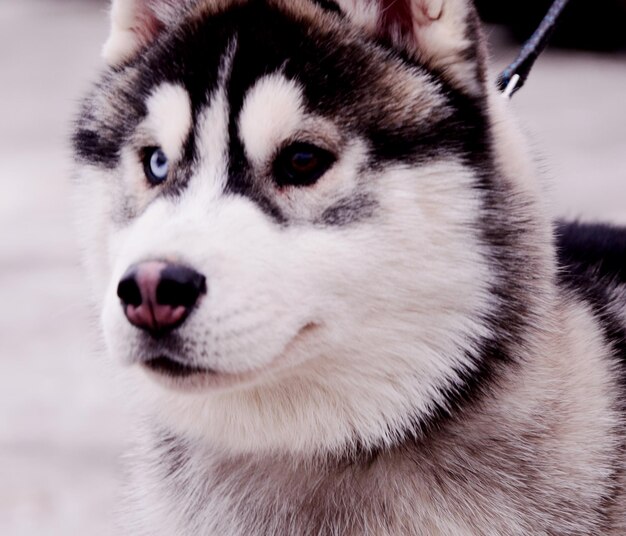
pixel 284 203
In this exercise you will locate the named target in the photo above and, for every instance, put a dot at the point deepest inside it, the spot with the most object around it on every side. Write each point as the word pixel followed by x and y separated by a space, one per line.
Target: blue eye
pixel 156 165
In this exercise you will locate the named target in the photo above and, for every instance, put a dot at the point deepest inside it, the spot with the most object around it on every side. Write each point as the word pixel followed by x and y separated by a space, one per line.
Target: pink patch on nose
pixel 141 316
pixel 167 315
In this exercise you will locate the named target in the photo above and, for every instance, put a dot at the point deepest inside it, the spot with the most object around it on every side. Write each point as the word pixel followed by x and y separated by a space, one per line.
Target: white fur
pixel 272 112
pixel 440 40
pixel 312 391
pixel 136 23
pixel 213 135
pixel 123 40
pixel 169 118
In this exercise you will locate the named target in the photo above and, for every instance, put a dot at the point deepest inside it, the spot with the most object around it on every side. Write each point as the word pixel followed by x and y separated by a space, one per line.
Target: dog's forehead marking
pixel 213 136
pixel 169 118
pixel 212 145
pixel 273 110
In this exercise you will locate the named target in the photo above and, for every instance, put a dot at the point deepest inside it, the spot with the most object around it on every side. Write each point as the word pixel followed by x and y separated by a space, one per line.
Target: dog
pixel 320 244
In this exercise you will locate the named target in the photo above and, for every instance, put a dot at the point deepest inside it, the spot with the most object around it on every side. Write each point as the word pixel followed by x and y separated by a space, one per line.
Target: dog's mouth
pixel 180 376
pixel 165 366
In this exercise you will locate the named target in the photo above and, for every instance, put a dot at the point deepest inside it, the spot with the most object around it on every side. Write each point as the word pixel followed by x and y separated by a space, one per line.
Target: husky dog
pixel 321 245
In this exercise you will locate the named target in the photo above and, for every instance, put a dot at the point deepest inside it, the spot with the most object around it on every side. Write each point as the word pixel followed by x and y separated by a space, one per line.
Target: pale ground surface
pixel 62 425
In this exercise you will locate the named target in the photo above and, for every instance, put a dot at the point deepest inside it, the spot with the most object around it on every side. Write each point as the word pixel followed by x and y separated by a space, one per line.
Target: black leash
pixel 515 75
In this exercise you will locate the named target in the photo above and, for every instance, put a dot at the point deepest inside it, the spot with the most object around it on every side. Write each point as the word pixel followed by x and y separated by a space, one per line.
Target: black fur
pixel 596 248
pixel 328 5
pixel 172 451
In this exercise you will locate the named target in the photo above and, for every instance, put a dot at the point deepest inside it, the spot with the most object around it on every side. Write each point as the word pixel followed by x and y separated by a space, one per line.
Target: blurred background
pixel 63 424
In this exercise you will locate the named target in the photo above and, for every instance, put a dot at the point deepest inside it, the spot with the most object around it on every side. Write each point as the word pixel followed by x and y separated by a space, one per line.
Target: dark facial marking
pixel 107 118
pixel 341 73
pixel 349 210
pixel 90 146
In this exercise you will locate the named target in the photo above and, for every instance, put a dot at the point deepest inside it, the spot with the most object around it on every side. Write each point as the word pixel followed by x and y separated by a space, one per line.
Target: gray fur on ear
pixel 135 23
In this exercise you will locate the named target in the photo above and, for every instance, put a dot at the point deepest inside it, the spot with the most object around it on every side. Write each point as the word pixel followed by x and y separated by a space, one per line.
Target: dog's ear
pixel 136 23
pixel 444 35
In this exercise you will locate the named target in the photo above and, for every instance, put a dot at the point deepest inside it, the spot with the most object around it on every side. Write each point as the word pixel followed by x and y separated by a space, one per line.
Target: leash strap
pixel 515 75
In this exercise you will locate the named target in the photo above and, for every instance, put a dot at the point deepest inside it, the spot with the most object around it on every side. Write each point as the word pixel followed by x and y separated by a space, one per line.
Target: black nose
pixel 158 297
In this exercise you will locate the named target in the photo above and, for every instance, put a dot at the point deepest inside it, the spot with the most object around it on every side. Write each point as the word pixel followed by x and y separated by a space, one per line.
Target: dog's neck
pixel 460 479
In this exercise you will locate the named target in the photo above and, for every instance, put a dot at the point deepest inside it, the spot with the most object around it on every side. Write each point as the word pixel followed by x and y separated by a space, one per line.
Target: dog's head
pixel 294 216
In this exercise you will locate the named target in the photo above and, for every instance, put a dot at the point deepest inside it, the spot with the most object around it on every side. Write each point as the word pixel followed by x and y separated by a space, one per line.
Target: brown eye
pixel 302 164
